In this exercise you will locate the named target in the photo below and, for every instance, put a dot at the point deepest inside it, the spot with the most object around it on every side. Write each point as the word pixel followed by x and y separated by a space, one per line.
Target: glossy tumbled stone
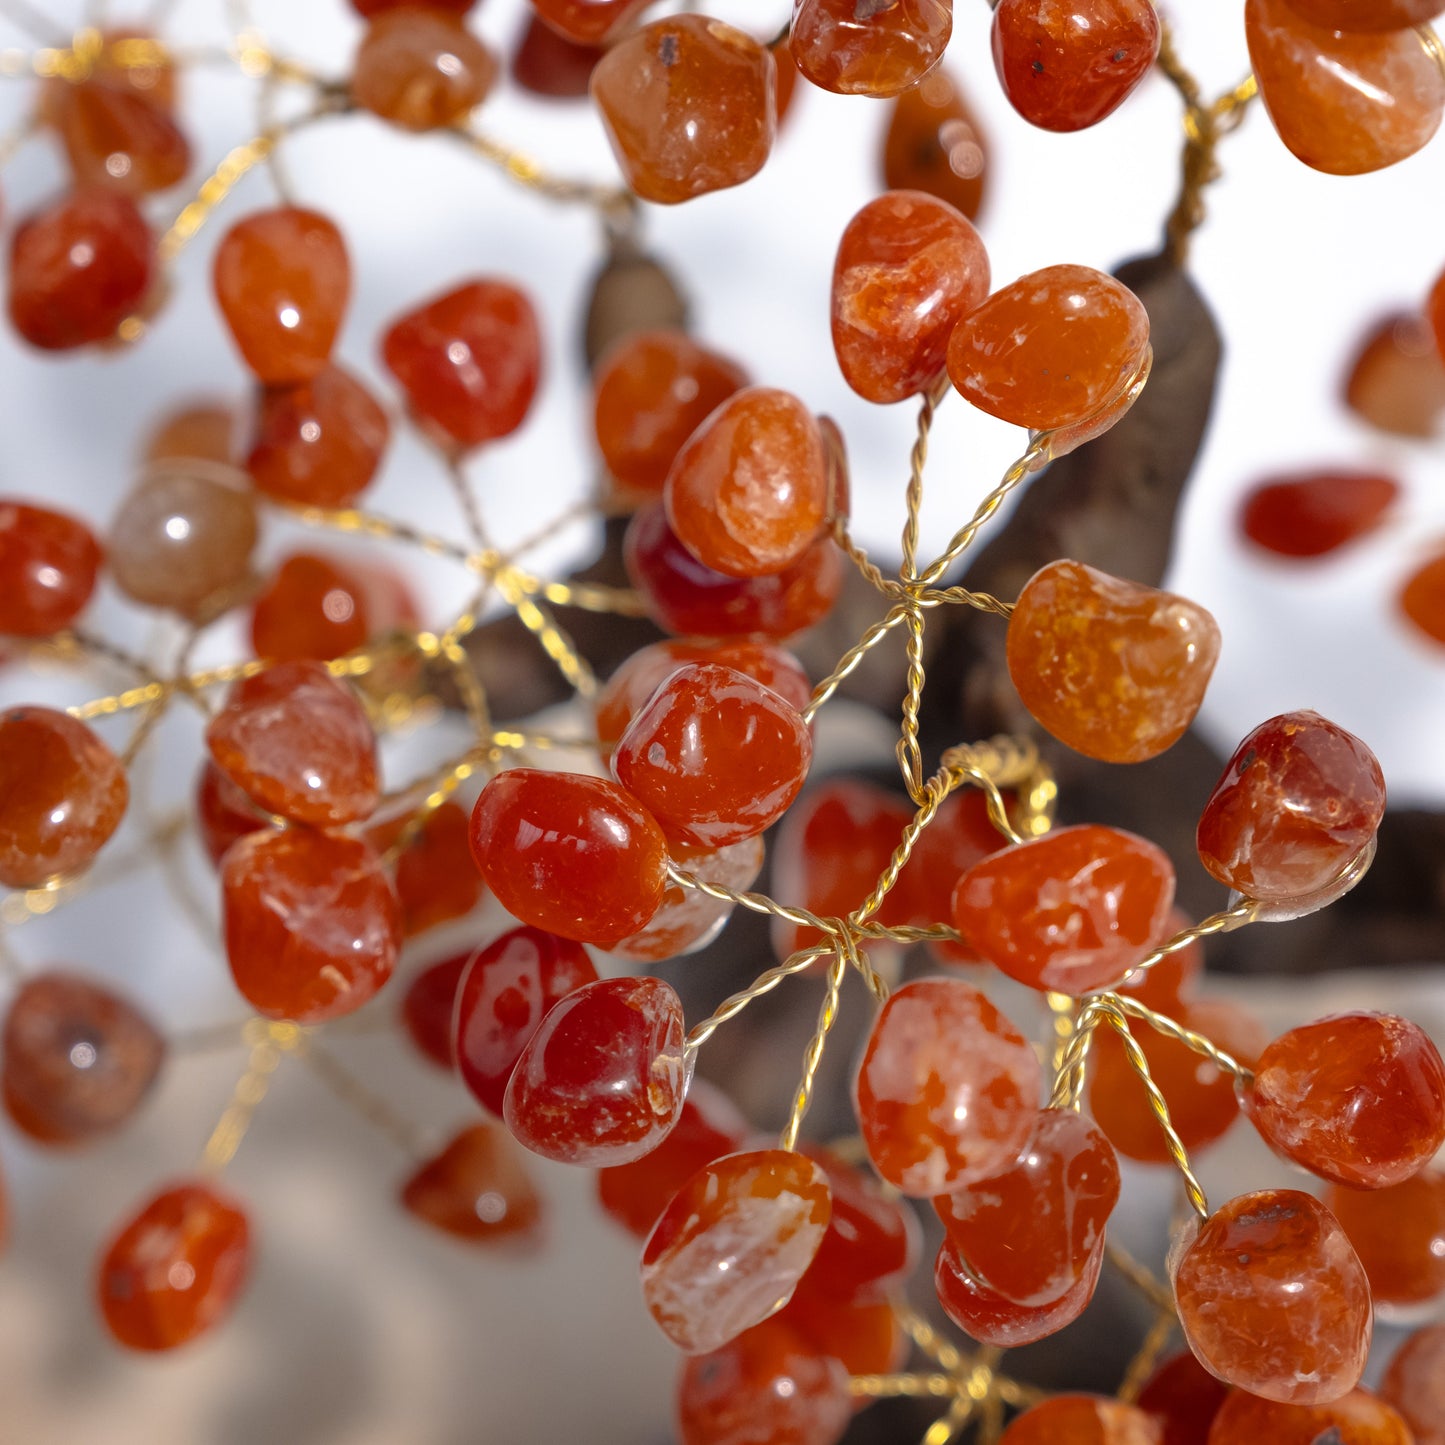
pixel 321 607
pixel 1183 1398
pixel 428 1008
pixel 1050 349
pixel 933 144
pixel 312 926
pixel 224 812
pixel 1415 1384
pixel 65 793
pixel 175 1269
pixel 1297 803
pixel 1272 1298
pixel 689 104
pixel 871 1244
pixel 1343 103
pixel 1358 1418
pixel 1114 669
pixel 1082 1420
pixel 908 268
pixel 1396 381
pixel 1072 911
pixel 78 1060
pixel 869 47
pixel 476 1189
pixel 48 565
pixel 550 65
pixel 116 138
pixel 948 1091
pixel 986 1316
pixel 1399 1234
pixel 436 879
pixel 1367 15
pixel 864 1336
pixel 733 1244
pixel 1315 514
pixel 421 69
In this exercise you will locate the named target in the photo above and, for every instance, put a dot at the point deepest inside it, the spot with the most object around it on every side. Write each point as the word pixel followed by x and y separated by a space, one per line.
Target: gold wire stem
pixel 1154 1290
pixel 530 174
pixel 1243 912
pixel 344 1086
pixel 910 755
pixel 827 1017
pixel 944 1430
pixel 1146 1357
pixel 766 982
pixel 1162 1023
pixel 941 1351
pixel 268 1041
pixel 1062 1010
pixel 912 1387
pixel 851 659
pixel 1069 1073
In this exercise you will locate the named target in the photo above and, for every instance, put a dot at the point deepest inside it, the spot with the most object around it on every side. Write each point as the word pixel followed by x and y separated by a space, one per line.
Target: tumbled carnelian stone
pixel 1342 103
pixel 1358 1418
pixel 1295 806
pixel 1367 15
pixel 428 1009
pixel 1082 1420
pixel 476 1189
pixel 48 565
pixel 571 854
pixel 1114 669
pixel 78 1060
pixel 689 107
pixel 1066 67
pixel 1396 381
pixel 436 879
pixel 78 268
pixel 312 925
pixel 948 1091
pixel 282 280
pixel 863 1336
pixel 1183 1398
pixel 469 361
pixel 116 139
pixel 651 391
pixel 1072 911
pixel 714 756
pixel 175 1269
pixel 1399 1234
pixel 686 597
pixel 1415 1384
pixel 1422 599
pixel 199 430
pixel 323 607
pixel 908 268
pixel 550 65
pixel 1051 348
pixel 602 1080
pixel 871 1244
pixel 1310 515
pixel 298 742
pixel 960 835
pixel 587 22
pixel 869 47
pixel 730 1248
pixel 506 991
pixel 1358 1098
pixel 421 69
pixel 986 1316
pixel 933 144
pixel 1028 1232
pixel 1272 1298
pixel 65 793
pixel 224 812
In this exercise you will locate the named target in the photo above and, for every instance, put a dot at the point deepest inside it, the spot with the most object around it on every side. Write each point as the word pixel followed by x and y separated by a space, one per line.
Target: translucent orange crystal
pixel 1399 1234
pixel 421 69
pixel 1422 599
pixel 1396 381
pixel 1313 514
pixel 933 144
pixel 869 47
pixel 476 1189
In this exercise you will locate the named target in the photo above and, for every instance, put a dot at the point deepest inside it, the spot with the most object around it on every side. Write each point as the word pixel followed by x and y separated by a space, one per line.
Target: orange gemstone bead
pixel 322 607
pixel 312 926
pixel 864 1337
pixel 1396 381
pixel 1072 911
pixel 223 812
pixel 714 756
pixel 1114 669
pixel 1311 515
pixel 477 1189
pixel 79 1060
pixel 948 1091
pixel 421 68
pixel 1358 1418
pixel 986 1316
pixel 469 362
pixel 1435 313
pixel 282 280
pixel 1183 1398
pixel 551 66
pixel 436 879
pixel 1066 67
pixel 651 391
pixel 869 47
pixel 1082 1420
pixel 1399 1234
pixel 871 1244
pixel 1367 15
pixel 202 431
pixel 1343 103
pixel 689 104
pixel 733 1244
pixel 1273 1300
pixel 588 22
pixel 299 743
pixel 174 1271
pixel 48 566
pixel 65 793
pixel 933 144
pixel 1297 803
pixel 428 1009
pixel 574 855
pixel 908 268
pixel 1051 348
pixel 1422 599
pixel 116 138
pixel 1415 1384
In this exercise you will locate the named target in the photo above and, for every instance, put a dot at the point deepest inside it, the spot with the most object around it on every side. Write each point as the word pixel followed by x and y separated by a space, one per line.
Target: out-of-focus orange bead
pixel 869 47
pixel 1343 103
pixel 689 106
pixel 787 75
pixel 421 68
pixel 549 65
pixel 1183 1398
pixel 223 812
pixel 1367 15
pixel 1399 1234
pixel 986 1316
pixel 1422 598
pixel 933 144
pixel 48 566
pixel 321 607
pixel 282 280
pixel 476 1189
pixel 1415 1384
pixel 1051 348
pixel 1435 312
pixel 1396 381
pixel 428 1008
pixel 908 268
pixel 199 431
pixel 436 879
pixel 116 139
pixel 1081 1420
pixel 588 22
pixel 1314 514
pixel 1358 1418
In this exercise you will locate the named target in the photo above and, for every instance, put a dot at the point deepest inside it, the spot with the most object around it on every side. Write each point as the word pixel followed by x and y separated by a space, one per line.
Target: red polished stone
pixel 732 1245
pixel 872 1241
pixel 588 22
pixel 1422 599
pixel 869 47
pixel 1272 1298
pixel 549 65
pixel 321 607
pixel 1183 1398
pixel 64 793
pixel 1399 1234
pixel 1066 67
pixel 1415 1384
pixel 1029 1232
pixel 1366 15
pixel 421 69
pixel 948 1091
pixel 960 835
pixel 312 926
pixel 175 1269
pixel 298 742
pixel 428 1008
pixel 117 139
pixel 714 756
pixel 1396 381
pixel 1358 1098
pixel 477 1189
pixel 436 879
pixel 863 1336
pixel 48 565
pixel 282 280
pixel 1170 984
pixel 684 596
pixel 469 361
pixel 1072 911
pixel 908 268
pixel 1435 313
pixel 933 144
pixel 79 1060
pixel 224 812
pixel 1295 806
pixel 986 1316
pixel 1358 1418
pixel 78 269
pixel 1314 514
pixel 1082 1420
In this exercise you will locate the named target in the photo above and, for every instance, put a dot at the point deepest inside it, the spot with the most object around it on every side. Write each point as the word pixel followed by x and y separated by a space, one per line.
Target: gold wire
pixel 1242 913
pixel 269 1042
pixel 844 949
pixel 1161 1023
pixel 1147 1357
